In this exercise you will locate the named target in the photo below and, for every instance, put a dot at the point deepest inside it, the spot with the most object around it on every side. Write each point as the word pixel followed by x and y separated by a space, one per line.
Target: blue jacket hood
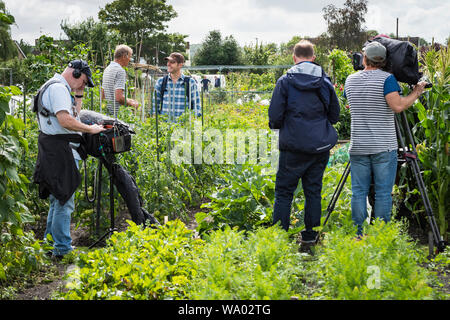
pixel 306 75
pixel 303 107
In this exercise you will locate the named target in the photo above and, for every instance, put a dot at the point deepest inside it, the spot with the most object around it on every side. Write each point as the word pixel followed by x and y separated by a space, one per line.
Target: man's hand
pixel 419 88
pixel 95 128
pixel 133 103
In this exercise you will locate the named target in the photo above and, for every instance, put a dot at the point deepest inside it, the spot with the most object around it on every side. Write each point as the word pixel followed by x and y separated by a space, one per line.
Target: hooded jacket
pixel 304 106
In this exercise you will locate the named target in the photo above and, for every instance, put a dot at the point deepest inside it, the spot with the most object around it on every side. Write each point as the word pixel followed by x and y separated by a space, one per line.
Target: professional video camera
pixel 401 59
pixel 115 139
pixel 104 146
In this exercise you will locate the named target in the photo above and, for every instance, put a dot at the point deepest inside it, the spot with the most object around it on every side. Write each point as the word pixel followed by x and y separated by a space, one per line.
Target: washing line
pixel 230 67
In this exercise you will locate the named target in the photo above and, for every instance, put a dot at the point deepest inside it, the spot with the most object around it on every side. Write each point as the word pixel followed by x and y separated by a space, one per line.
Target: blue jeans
pixel 382 167
pixel 58 224
pixel 292 167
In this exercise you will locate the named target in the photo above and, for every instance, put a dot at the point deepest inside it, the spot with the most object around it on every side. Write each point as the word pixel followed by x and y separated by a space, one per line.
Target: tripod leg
pixel 411 161
pixel 111 196
pixel 99 198
pixel 111 200
pixel 337 192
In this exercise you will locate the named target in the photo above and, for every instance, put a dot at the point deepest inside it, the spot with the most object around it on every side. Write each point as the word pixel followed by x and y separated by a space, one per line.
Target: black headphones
pixel 78 66
pixel 76 73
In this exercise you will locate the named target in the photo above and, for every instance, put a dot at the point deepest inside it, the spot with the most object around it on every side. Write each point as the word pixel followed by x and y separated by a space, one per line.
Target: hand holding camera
pixel 95 128
pixel 419 88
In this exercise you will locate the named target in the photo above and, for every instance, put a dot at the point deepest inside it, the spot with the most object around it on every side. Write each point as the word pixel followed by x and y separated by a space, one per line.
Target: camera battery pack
pixel 119 144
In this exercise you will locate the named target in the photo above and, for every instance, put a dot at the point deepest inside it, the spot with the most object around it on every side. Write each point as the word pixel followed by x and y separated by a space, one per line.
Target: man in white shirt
pixel 60 129
pixel 114 79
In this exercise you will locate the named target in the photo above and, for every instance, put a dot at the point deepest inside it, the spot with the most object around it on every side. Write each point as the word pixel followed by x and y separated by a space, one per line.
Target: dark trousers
pixel 292 167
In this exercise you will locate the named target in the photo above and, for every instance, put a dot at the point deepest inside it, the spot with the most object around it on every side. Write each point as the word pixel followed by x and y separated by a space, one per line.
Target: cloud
pixel 419 19
pixel 295 6
pixel 37 17
pixel 245 20
pixel 267 20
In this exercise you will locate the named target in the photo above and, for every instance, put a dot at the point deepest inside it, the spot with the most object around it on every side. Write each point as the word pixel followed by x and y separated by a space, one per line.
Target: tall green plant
pixel 12 145
pixel 341 66
pixel 434 127
pixel 20 253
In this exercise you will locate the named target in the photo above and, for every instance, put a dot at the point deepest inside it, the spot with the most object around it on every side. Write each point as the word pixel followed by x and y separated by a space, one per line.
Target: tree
pixel 260 54
pixel 231 51
pixel 217 51
pixel 97 35
pixel 345 25
pixel 155 48
pixel 139 20
pixel 7 48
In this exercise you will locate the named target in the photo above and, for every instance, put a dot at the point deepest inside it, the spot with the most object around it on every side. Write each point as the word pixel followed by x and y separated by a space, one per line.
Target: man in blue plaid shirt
pixel 176 101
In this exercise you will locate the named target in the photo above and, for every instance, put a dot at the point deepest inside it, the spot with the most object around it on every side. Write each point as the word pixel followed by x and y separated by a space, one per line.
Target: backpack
pixel 187 90
pixel 38 107
pixel 401 60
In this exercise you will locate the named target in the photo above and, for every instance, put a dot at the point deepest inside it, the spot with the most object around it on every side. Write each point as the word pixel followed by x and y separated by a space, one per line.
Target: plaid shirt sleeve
pixel 157 95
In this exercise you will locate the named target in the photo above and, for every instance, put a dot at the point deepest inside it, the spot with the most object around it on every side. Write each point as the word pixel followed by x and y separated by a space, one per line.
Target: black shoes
pixel 309 237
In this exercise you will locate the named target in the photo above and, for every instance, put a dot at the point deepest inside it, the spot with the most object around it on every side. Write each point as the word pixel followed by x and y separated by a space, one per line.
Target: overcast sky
pixel 247 20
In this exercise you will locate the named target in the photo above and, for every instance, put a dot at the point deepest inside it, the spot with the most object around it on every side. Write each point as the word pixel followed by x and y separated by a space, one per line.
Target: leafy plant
pixel 433 127
pixel 383 265
pixel 137 264
pixel 230 266
pixel 341 66
pixel 20 253
pixel 245 200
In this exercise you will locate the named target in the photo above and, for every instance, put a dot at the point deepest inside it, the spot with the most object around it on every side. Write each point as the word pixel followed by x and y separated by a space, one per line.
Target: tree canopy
pixel 142 25
pixel 217 51
pixel 95 34
pixel 7 48
pixel 345 25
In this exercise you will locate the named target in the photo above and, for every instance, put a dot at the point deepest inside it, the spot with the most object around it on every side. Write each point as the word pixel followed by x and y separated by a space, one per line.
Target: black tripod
pixel 108 161
pixel 408 155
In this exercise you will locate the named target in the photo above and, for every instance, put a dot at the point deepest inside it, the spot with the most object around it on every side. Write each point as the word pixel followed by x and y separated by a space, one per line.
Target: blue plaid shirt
pixel 174 102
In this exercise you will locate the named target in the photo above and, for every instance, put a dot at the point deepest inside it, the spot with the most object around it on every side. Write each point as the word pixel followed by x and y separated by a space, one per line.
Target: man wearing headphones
pixel 56 169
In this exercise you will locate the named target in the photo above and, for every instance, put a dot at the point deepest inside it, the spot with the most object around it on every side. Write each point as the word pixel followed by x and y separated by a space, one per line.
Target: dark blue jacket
pixel 304 106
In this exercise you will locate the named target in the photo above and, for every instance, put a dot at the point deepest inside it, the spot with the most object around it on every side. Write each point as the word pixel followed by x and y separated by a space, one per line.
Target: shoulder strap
pixel 38 107
pixel 162 90
pixel 187 90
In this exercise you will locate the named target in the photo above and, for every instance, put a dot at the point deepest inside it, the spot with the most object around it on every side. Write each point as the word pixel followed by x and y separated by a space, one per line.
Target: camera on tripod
pixel 115 139
pixel 401 60
pixel 104 146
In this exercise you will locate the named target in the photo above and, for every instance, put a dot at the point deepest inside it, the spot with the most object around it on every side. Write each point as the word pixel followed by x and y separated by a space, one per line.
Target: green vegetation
pixel 235 252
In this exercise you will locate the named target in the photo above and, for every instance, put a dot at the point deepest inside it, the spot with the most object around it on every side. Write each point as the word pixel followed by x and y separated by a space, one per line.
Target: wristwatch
pixel 78 96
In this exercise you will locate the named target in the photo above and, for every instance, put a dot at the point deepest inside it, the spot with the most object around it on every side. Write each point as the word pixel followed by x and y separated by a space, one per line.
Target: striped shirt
pixel 114 77
pixel 175 102
pixel 372 120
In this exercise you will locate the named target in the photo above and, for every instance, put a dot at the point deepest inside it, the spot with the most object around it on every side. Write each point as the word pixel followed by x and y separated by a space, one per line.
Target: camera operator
pixel 374 98
pixel 56 169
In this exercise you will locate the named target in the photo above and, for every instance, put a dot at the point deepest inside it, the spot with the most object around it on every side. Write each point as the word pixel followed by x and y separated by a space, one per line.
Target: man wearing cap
pixel 374 98
pixel 179 92
pixel 114 79
pixel 60 128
